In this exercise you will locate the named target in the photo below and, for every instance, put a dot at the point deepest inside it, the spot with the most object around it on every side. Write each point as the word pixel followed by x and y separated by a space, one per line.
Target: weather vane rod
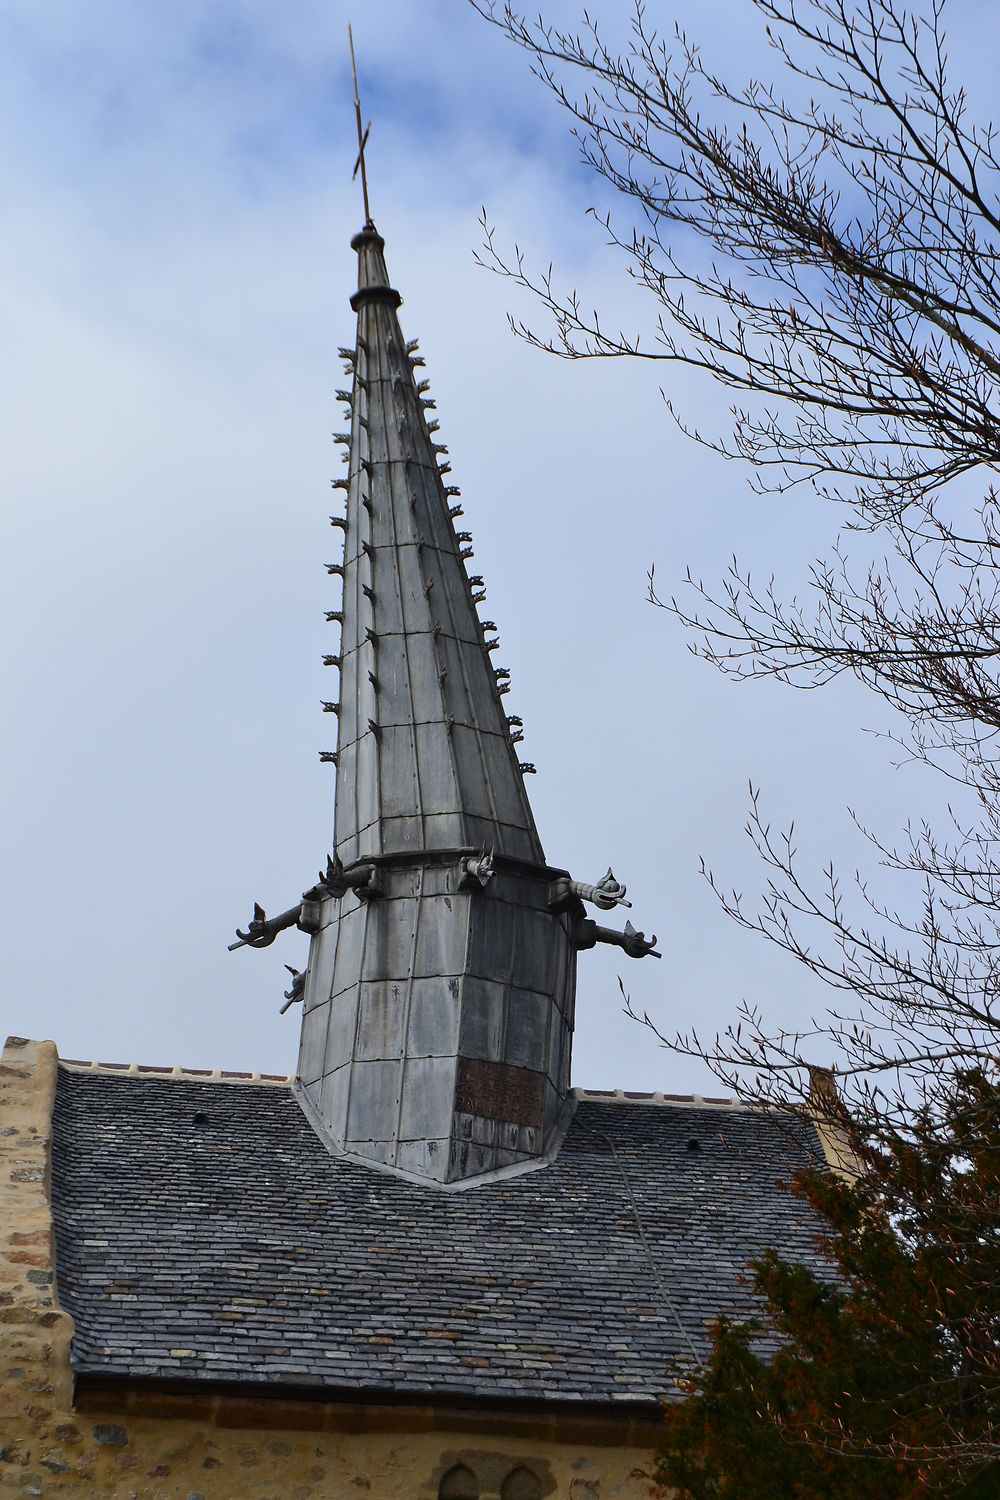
pixel 362 134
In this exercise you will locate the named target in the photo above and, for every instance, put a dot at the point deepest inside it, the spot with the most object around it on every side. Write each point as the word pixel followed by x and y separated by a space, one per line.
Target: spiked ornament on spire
pixel 425 755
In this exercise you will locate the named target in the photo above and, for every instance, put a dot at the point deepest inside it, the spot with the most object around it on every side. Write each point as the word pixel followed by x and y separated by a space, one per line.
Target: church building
pixel 426 1265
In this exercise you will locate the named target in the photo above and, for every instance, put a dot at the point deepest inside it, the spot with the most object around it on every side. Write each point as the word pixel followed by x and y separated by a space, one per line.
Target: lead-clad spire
pixel 438 1001
pixel 439 997
pixel 425 756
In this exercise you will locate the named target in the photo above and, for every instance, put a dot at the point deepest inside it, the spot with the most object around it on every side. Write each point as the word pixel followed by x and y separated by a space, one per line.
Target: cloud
pixel 176 271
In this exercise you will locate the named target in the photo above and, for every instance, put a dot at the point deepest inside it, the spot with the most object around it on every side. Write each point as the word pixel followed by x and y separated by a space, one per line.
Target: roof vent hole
pixel 200 1117
pixel 693 1144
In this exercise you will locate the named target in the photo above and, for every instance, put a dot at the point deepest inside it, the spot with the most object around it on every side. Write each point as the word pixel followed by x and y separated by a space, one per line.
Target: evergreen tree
pixel 883 1380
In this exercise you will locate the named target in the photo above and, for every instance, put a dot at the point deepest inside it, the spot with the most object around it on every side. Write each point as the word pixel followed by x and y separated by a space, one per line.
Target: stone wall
pixel 35 1383
pixel 136 1444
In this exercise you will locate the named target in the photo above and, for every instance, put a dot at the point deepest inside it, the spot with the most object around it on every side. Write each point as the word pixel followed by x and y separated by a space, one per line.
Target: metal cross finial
pixel 362 134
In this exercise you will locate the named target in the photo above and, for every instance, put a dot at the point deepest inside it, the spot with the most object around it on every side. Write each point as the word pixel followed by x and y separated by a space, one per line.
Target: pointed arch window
pixel 459 1484
pixel 521 1484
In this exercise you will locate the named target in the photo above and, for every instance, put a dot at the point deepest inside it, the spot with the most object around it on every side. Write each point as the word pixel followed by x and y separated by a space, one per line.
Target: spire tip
pixel 359 165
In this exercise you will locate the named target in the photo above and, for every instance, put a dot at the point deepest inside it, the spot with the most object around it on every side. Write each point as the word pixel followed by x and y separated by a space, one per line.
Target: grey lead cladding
pixel 425 759
pixel 438 1002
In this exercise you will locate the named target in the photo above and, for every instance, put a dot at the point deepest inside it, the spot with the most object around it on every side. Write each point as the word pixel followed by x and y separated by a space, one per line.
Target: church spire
pixel 440 991
pixel 438 1001
pixel 425 755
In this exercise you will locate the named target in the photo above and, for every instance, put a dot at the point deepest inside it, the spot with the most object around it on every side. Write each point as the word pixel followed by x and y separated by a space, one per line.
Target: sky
pixel 174 280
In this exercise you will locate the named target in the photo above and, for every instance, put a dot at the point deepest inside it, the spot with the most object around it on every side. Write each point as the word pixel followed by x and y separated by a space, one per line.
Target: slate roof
pixel 235 1248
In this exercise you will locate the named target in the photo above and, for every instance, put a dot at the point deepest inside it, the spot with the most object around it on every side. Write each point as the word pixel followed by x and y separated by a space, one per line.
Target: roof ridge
pixel 233 1075
pixel 153 1070
pixel 633 1096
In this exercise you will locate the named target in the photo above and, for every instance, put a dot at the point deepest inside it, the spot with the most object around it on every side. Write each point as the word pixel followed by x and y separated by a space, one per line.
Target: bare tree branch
pixel 827 248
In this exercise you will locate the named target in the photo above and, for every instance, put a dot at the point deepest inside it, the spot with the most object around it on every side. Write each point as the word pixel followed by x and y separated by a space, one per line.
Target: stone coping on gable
pixel 153 1070
pixel 224 1075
